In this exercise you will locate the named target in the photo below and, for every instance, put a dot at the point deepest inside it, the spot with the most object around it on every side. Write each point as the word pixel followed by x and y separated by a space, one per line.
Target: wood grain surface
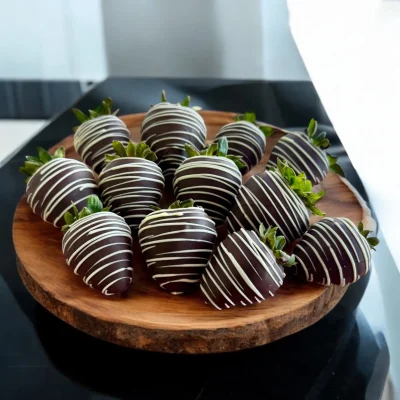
pixel 151 319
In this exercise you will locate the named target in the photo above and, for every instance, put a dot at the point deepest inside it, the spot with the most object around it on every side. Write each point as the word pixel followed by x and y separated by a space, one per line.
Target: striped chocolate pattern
pixel 212 182
pixel 332 252
pixel 166 128
pixel 246 140
pixel 93 139
pixel 242 271
pixel 266 199
pixel 130 185
pixel 177 244
pixel 99 249
pixel 54 185
pixel 302 155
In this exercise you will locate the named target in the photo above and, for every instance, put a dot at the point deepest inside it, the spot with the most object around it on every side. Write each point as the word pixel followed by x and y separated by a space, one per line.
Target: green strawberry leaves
pixel 247 116
pixel 301 186
pixel 69 218
pixel 317 139
pixel 334 166
pixel 32 164
pixel 276 244
pixel 140 150
pixel 103 109
pixel 80 115
pixel 268 131
pixel 312 128
pixel 217 149
pixel 177 204
pixel 222 147
pixel 184 103
pixel 251 117
pixel 237 160
pixel 182 204
pixel 372 241
pixel 44 155
pixel 93 205
pixel 191 151
pixel 119 148
pixel 59 153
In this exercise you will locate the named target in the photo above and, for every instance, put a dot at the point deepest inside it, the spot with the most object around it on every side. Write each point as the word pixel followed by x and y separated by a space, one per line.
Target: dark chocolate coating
pixel 332 252
pixel 242 271
pixel 267 199
pixel 245 139
pixel 177 245
pixel 212 182
pixel 130 185
pixel 99 249
pixel 166 129
pixel 56 184
pixel 93 139
pixel 301 155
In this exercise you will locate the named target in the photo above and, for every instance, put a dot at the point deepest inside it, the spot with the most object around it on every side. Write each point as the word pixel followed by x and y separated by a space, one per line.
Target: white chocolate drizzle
pixel 333 252
pixel 54 185
pixel 177 252
pixel 301 155
pixel 93 139
pixel 245 139
pixel 243 268
pixel 212 182
pixel 130 185
pixel 166 129
pixel 266 198
pixel 99 248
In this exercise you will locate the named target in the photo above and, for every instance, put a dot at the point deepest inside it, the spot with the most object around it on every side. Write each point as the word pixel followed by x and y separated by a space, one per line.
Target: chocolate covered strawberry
pixel 245 269
pixel 97 245
pixel 277 197
pixel 211 178
pixel 305 151
pixel 94 137
pixel 334 252
pixel 177 244
pixel 54 182
pixel 167 127
pixel 131 182
pixel 246 139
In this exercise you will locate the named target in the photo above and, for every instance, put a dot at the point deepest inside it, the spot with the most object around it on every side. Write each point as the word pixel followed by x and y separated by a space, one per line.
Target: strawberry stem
pixel 177 204
pixel 276 244
pixel 301 186
pixel 217 149
pixel 372 241
pixel 140 150
pixel 251 117
pixel 32 164
pixel 103 109
pixel 94 205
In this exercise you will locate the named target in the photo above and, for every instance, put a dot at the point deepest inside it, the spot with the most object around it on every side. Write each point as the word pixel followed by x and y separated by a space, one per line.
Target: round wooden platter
pixel 151 319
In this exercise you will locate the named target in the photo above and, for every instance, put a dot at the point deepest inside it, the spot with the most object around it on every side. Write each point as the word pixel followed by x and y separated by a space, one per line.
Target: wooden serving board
pixel 151 319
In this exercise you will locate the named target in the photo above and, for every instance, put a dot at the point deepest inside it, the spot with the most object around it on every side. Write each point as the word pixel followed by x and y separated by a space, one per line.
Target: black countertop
pixel 42 357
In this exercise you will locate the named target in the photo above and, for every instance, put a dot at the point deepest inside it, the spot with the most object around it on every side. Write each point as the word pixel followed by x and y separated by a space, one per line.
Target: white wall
pixel 201 38
pixel 87 40
pixel 351 50
pixel 51 39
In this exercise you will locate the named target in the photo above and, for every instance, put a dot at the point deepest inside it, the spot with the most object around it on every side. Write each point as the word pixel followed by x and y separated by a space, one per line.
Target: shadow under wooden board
pixel 151 319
